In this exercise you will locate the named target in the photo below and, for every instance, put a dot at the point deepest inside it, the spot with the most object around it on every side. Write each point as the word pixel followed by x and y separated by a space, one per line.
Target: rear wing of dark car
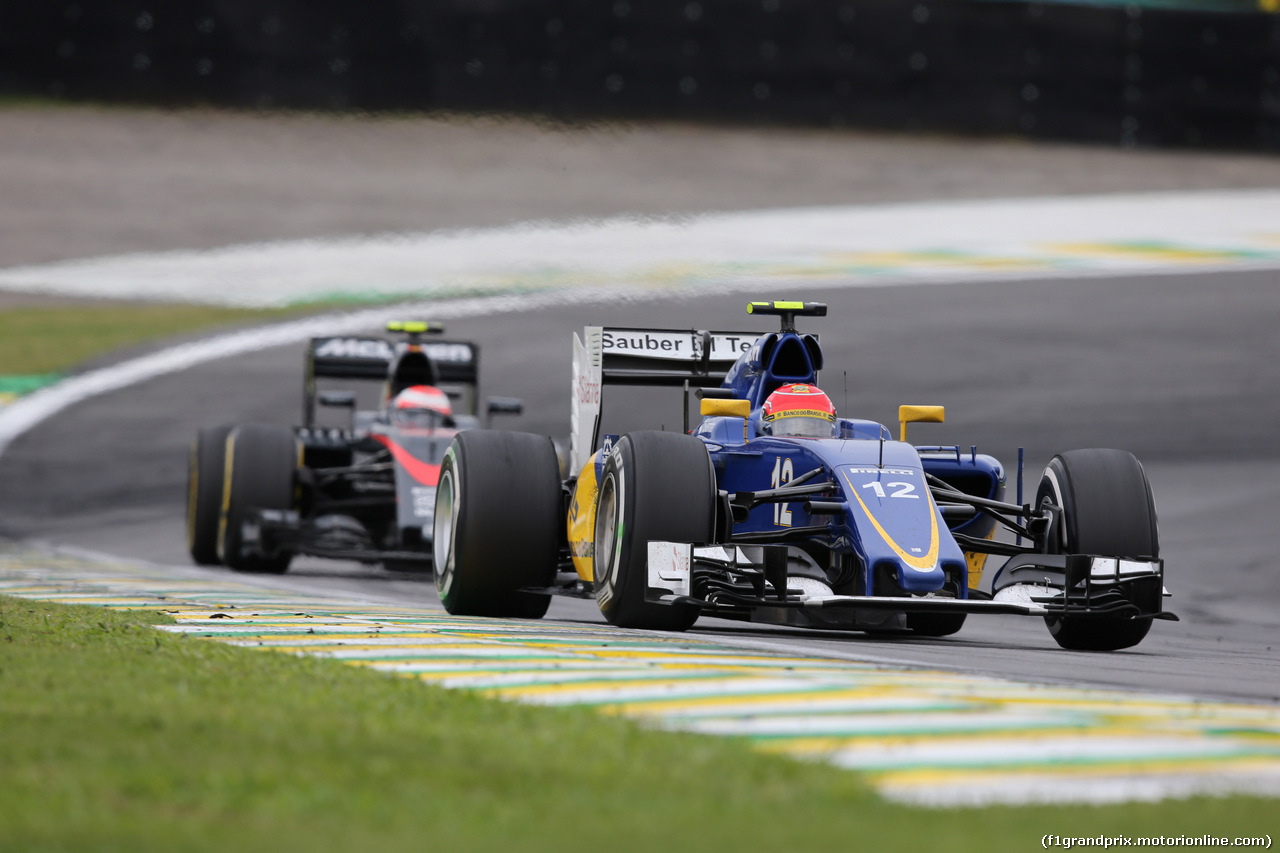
pixel 455 365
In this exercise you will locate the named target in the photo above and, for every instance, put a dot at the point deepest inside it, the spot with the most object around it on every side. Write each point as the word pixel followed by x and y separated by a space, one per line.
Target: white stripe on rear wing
pixel 673 345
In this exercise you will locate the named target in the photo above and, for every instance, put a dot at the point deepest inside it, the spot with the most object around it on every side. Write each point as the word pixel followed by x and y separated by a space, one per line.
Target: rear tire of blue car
pixel 204 493
pixel 261 473
pixel 654 486
pixel 1107 509
pixel 497 524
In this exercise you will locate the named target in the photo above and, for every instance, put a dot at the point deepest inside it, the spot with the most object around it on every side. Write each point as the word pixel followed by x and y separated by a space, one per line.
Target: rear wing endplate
pixel 607 355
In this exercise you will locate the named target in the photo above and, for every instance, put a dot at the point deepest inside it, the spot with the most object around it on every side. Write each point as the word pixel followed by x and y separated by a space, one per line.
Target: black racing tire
pixel 204 493
pixel 654 486
pixel 935 624
pixel 261 473
pixel 1107 508
pixel 497 524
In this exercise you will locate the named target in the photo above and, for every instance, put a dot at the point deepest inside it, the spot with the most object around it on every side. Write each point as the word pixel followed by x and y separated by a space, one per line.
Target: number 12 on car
pixel 896 490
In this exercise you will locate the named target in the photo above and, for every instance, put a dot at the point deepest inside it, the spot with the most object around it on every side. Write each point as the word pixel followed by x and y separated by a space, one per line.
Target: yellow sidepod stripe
pixel 917 735
pixel 228 462
pixel 582 521
pixel 930 559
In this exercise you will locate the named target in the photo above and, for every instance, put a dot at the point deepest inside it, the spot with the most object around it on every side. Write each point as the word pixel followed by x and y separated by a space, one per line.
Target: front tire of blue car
pixel 1107 509
pixel 654 486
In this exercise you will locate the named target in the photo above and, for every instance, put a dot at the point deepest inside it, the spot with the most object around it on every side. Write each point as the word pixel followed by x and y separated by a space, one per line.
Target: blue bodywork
pixel 851 531
pixel 889 537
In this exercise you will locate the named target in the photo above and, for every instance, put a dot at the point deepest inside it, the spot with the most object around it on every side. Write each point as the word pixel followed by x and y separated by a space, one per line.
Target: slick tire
pixel 204 493
pixel 654 486
pixel 497 524
pixel 1107 508
pixel 261 468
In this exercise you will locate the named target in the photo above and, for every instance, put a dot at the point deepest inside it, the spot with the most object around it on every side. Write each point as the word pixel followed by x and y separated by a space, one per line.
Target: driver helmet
pixel 802 411
pixel 421 405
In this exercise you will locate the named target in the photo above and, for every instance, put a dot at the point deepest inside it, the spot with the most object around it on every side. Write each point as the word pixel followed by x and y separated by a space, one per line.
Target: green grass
pixel 52 339
pixel 118 737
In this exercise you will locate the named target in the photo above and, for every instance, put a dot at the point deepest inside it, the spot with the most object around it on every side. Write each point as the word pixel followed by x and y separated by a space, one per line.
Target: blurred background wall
pixel 1167 73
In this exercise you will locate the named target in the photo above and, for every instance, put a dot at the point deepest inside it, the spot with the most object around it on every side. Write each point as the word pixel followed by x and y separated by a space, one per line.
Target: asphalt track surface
pixel 1184 370
pixel 1179 369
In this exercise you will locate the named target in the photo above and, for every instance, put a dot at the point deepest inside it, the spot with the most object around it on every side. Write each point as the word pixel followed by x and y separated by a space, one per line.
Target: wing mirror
pixel 338 399
pixel 503 406
pixel 919 414
pixel 727 408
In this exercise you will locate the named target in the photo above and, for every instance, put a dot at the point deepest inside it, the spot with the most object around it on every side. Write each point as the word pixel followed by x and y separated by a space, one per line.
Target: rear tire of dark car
pixel 497 524
pixel 1107 509
pixel 262 464
pixel 654 486
pixel 205 470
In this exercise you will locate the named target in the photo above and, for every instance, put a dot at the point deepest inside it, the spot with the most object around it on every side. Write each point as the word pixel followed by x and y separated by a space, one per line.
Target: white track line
pixel 28 411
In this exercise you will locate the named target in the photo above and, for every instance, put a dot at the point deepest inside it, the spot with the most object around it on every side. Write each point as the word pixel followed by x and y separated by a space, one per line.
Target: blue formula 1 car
pixel 772 509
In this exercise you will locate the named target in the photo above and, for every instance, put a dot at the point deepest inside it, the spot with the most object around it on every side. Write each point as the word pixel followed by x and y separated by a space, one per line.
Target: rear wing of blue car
pixel 455 366
pixel 606 355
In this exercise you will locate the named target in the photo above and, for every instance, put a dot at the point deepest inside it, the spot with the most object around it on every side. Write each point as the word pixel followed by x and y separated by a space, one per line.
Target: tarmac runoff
pixel 921 736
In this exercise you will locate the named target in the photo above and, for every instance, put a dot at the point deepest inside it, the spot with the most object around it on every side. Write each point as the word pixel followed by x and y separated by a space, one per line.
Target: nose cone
pixel 898 523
